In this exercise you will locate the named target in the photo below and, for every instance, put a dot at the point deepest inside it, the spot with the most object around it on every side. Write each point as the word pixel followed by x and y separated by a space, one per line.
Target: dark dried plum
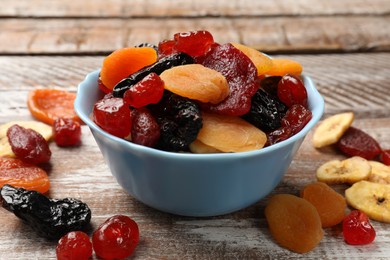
pixel 180 121
pixel 266 111
pixel 51 218
pixel 146 44
pixel 157 67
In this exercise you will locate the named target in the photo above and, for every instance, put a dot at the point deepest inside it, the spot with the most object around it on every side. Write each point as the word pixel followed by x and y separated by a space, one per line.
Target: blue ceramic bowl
pixel 194 184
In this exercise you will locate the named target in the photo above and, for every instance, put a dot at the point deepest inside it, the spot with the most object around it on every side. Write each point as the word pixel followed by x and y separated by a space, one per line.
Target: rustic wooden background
pixel 343 45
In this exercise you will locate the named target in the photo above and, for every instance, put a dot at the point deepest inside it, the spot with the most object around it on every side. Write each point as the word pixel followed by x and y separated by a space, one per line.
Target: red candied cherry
pixel 194 43
pixel 116 238
pixel 357 229
pixel 166 48
pixel 385 157
pixel 66 132
pixel 75 245
pixel 102 87
pixel 145 129
pixel 147 91
pixel 291 90
pixel 113 116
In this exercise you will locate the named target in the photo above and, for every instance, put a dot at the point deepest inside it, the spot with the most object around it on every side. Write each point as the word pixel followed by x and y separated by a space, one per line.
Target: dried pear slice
pixel 5 148
pixel 350 170
pixel 330 130
pixel 230 134
pixel 371 198
pixel 380 172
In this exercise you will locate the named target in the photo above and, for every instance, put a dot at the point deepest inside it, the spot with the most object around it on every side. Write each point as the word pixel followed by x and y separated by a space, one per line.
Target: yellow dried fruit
pixel 199 147
pixel 196 82
pixel 380 172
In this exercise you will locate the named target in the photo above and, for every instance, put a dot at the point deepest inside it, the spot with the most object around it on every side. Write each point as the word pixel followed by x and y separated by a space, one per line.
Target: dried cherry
pixel 241 74
pixel 292 91
pixel 28 145
pixel 385 157
pixel 75 245
pixel 194 43
pixel 356 142
pixel 357 229
pixel 166 48
pixel 145 129
pixel 66 132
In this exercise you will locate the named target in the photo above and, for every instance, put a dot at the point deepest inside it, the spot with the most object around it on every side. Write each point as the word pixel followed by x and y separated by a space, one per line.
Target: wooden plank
pixel 274 34
pixel 192 8
pixel 358 82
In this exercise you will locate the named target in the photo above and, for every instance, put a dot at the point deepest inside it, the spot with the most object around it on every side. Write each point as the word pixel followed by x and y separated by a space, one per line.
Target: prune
pixel 266 111
pixel 157 67
pixel 180 121
pixel 241 74
pixel 270 84
pixel 28 145
pixel 146 44
pixel 355 142
pixel 51 218
pixel 145 129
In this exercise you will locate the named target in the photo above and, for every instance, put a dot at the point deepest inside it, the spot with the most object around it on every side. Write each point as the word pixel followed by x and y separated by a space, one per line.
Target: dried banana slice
pixel 5 148
pixel 330 130
pixel 380 172
pixel 350 170
pixel 371 198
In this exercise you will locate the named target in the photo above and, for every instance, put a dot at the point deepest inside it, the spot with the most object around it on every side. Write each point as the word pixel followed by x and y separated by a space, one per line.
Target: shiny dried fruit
pixel 350 170
pixel 230 134
pixel 291 91
pixel 145 129
pixel 270 85
pixel 281 67
pixel 330 205
pixel 28 145
pixel 194 43
pixel 330 130
pixel 357 229
pixel 75 245
pixel 294 223
pixel 66 132
pixel 241 74
pixel 116 238
pixel 51 218
pixel 356 142
pixel 371 198
pixel 196 82
pixel 380 172
pixel 385 157
pixel 23 175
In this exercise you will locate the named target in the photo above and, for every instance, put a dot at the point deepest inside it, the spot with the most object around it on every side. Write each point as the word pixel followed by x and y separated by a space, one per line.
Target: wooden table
pixel 343 45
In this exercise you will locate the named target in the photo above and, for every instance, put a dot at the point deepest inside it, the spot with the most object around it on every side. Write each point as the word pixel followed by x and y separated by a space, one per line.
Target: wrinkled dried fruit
pixel 330 130
pixel 350 170
pixel 116 238
pixel 355 142
pixel 294 223
pixel 51 218
pixel 230 134
pixel 270 85
pixel 28 145
pixel 371 198
pixel 330 205
pixel 145 129
pixel 23 175
pixel 75 245
pixel 291 91
pixel 66 132
pixel 241 74
pixel 357 229
pixel 380 172
pixel 196 82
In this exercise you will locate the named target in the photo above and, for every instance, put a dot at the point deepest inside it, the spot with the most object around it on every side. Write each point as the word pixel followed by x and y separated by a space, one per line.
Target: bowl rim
pixel 313 94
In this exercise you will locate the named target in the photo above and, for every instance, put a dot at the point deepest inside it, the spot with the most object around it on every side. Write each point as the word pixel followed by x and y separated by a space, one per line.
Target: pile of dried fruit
pixel 181 95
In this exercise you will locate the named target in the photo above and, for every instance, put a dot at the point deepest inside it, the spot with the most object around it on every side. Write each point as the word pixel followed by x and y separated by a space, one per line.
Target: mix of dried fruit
pixel 191 76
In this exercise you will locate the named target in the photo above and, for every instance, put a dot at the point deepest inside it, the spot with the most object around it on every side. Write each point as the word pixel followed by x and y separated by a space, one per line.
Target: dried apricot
pixel 262 62
pixel 294 223
pixel 281 67
pixel 47 105
pixel 17 173
pixel 125 61
pixel 196 82
pixel 329 204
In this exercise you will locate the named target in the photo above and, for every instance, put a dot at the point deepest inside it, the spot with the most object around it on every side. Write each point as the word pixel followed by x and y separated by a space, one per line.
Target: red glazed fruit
pixel 385 157
pixel 194 43
pixel 357 229
pixel 147 91
pixel 166 48
pixel 75 245
pixel 113 116
pixel 66 132
pixel 28 145
pixel 145 129
pixel 292 91
pixel 355 142
pixel 116 238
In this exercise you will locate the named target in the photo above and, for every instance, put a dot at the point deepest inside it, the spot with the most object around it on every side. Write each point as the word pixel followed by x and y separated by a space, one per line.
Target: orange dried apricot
pixel 262 62
pixel 281 67
pixel 330 205
pixel 196 82
pixel 294 223
pixel 23 175
pixel 47 105
pixel 124 62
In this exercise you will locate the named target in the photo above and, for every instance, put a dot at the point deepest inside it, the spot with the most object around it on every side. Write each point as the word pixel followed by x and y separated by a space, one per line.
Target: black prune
pixel 270 84
pixel 266 111
pixel 158 67
pixel 51 218
pixel 180 121
pixel 146 44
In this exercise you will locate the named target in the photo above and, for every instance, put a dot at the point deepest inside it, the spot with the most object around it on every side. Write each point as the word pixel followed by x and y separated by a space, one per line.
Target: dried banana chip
pixel 330 130
pixel 380 172
pixel 350 170
pixel 370 198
